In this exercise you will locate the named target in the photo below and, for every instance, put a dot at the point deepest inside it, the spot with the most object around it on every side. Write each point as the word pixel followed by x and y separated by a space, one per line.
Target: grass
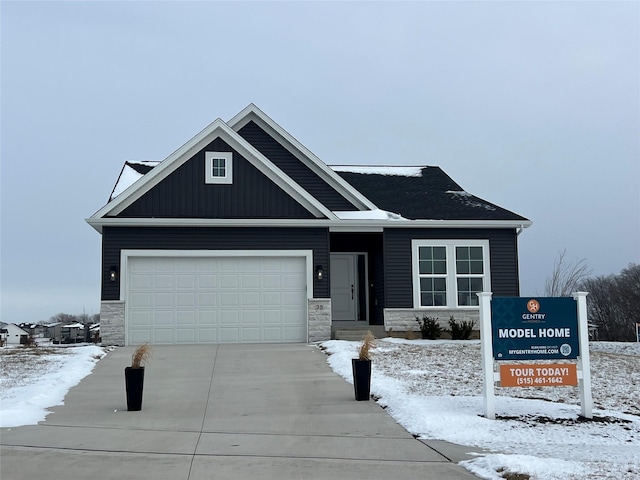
pixel 368 343
pixel 140 355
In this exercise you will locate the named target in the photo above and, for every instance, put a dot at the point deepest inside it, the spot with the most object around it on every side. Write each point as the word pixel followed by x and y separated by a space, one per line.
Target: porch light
pixel 319 272
pixel 113 274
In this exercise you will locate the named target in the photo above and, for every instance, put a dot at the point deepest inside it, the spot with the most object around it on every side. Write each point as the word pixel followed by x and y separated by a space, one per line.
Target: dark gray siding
pixel 397 260
pixel 184 193
pixel 293 167
pixel 114 239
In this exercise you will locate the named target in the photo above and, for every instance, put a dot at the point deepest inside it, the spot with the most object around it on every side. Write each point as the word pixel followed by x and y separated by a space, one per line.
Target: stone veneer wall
pixel 319 319
pixel 112 322
pixel 404 319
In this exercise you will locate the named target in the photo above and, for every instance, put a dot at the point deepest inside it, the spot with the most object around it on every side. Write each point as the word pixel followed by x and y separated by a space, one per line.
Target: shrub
pixel 461 330
pixel 140 355
pixel 429 327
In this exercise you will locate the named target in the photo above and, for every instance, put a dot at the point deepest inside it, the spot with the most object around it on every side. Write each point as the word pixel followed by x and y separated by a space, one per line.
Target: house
pixel 53 330
pixel 11 334
pixel 244 235
pixel 74 333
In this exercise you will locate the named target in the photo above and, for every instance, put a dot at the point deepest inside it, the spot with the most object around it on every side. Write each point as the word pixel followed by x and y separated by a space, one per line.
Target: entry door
pixel 344 289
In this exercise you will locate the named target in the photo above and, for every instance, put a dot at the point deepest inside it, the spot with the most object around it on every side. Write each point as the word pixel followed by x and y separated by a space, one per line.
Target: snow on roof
pixel 368 215
pixel 411 171
pixel 73 325
pixel 130 174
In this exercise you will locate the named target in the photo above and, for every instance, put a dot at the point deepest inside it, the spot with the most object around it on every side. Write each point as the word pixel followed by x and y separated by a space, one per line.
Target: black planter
pixel 361 378
pixel 134 381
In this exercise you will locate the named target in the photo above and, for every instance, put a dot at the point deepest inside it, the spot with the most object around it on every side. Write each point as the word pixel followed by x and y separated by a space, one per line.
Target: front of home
pixel 243 235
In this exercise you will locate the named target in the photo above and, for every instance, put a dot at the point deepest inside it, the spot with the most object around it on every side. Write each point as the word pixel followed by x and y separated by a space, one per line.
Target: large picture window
pixel 449 273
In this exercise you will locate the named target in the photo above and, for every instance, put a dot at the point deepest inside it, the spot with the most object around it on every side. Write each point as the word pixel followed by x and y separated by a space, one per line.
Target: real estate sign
pixel 525 328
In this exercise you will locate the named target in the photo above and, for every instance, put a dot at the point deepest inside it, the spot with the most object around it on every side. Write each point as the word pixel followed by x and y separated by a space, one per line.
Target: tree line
pixel 613 303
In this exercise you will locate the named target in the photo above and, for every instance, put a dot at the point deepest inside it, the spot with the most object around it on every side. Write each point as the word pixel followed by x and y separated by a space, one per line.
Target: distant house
pixel 53 330
pixel 73 333
pixel 11 334
pixel 244 235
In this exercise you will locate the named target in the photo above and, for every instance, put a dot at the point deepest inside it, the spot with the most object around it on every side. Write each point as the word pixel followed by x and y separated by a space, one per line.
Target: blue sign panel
pixel 526 328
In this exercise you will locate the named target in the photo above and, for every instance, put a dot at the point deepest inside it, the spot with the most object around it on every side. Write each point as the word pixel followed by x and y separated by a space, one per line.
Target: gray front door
pixel 343 286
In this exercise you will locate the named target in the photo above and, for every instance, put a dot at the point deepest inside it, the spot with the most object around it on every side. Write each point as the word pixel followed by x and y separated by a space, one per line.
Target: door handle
pixel 351 292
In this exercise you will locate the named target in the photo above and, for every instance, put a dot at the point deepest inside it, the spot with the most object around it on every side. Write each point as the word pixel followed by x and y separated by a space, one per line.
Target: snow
pixel 129 176
pixel 376 214
pixel 35 379
pixel 434 390
pixel 379 170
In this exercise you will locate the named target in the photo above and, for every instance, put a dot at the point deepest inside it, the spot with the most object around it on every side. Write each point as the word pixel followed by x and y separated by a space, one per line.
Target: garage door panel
pixel 216 300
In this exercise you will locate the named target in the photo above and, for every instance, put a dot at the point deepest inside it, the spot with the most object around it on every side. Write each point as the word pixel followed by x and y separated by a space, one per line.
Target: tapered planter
pixel 361 378
pixel 134 381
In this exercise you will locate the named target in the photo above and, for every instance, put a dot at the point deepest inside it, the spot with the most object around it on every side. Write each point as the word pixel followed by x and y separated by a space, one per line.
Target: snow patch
pixel 379 170
pixel 376 214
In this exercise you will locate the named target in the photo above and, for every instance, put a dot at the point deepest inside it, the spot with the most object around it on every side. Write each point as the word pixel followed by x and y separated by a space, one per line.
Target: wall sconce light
pixel 113 274
pixel 319 272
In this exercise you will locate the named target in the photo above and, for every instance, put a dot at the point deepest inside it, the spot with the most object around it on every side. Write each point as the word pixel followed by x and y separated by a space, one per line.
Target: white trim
pixel 302 153
pixel 451 276
pixel 334 225
pixel 217 129
pixel 126 254
pixel 209 177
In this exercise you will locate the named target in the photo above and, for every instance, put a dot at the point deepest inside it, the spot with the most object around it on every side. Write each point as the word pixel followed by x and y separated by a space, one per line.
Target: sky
pixel 534 106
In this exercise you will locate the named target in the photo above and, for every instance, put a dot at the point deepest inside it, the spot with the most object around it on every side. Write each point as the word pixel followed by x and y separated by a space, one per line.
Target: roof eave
pixel 332 224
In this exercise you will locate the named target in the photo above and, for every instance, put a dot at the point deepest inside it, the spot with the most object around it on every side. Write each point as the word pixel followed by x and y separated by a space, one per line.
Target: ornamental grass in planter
pixel 134 377
pixel 361 368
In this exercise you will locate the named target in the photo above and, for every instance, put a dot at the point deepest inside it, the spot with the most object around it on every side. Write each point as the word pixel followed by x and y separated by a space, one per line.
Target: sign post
pixel 584 360
pixel 487 357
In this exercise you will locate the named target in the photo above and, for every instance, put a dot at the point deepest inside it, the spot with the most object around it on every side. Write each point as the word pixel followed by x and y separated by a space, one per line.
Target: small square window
pixel 218 167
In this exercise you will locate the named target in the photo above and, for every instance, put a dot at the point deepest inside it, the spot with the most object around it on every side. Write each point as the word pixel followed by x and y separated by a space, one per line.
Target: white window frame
pixel 208 168
pixel 452 276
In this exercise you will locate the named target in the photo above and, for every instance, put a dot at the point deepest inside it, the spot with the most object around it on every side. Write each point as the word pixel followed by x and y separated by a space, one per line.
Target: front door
pixel 348 281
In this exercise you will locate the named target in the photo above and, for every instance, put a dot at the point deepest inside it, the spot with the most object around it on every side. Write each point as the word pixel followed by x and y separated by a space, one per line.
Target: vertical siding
pixel 115 239
pixel 184 193
pixel 397 260
pixel 293 167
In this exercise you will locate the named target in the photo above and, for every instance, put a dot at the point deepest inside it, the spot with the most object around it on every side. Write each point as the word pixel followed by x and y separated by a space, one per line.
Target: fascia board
pixel 197 143
pixel 333 225
pixel 302 153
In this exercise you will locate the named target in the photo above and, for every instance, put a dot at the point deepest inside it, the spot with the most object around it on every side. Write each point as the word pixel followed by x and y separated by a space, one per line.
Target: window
pixel 218 167
pixel 449 273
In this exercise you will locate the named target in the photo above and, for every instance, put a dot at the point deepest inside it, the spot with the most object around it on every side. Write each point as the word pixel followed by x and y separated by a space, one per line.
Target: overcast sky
pixel 533 106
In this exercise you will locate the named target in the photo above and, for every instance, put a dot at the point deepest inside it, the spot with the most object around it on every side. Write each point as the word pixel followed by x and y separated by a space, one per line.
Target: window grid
pixel 218 167
pixel 450 273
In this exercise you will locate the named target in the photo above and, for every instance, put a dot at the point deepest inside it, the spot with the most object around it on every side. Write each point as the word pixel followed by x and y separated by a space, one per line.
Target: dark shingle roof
pixel 427 193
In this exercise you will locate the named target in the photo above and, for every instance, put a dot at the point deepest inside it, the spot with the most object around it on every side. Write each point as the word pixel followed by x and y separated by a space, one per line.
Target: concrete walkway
pixel 224 412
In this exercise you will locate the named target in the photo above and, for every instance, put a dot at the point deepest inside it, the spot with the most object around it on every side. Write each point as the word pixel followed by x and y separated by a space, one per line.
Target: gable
pixel 186 194
pixel 294 168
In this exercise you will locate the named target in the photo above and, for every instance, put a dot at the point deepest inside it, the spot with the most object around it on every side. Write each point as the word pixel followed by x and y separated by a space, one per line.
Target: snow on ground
pixel 37 378
pixel 434 390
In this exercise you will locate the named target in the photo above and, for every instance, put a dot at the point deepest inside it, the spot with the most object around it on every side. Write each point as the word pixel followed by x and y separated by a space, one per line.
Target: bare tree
pixel 566 276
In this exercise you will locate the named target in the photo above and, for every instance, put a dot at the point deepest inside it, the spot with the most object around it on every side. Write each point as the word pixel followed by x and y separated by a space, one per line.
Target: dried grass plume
pixel 141 355
pixel 368 342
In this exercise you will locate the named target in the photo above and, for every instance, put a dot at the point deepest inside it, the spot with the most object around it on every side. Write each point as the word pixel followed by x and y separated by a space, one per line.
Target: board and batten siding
pixel 293 167
pixel 398 270
pixel 184 193
pixel 115 239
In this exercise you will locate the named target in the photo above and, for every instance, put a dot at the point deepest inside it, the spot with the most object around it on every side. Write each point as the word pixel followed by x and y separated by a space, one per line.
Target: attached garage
pixel 193 297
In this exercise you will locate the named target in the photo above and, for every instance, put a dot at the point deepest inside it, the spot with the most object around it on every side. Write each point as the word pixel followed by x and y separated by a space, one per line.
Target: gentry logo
pixel 533 306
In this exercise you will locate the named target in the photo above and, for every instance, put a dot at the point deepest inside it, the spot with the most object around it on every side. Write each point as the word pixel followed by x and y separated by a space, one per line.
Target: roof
pixel 384 195
pixel 421 192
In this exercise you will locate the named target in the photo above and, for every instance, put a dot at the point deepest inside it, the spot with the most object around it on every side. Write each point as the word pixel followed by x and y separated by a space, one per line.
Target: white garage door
pixel 216 300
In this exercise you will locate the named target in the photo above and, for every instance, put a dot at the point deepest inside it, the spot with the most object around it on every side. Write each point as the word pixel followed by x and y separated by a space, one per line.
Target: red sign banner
pixel 539 375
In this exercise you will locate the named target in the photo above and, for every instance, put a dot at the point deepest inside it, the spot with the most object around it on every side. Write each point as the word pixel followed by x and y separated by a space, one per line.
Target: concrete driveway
pixel 226 412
